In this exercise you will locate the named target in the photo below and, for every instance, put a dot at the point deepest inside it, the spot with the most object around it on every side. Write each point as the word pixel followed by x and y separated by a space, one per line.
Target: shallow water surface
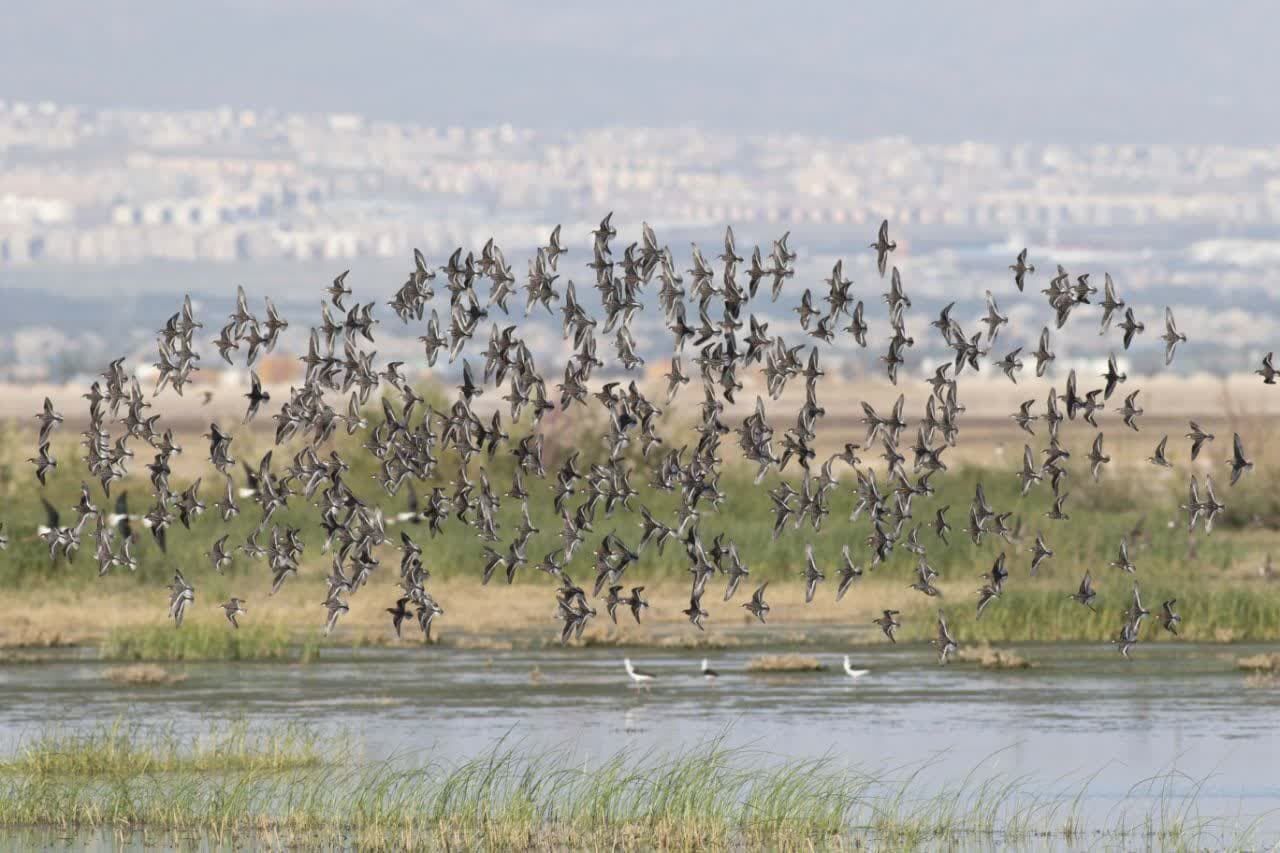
pixel 1082 710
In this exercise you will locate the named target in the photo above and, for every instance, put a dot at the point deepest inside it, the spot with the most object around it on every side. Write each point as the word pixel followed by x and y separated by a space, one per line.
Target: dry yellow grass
pixel 143 674
pixel 770 664
pixel 987 433
pixel 990 658
pixel 1264 662
pixel 493 617
pixel 988 436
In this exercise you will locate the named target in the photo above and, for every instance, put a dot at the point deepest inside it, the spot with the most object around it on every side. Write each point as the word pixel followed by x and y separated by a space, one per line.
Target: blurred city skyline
pixel 191 149
pixel 1141 72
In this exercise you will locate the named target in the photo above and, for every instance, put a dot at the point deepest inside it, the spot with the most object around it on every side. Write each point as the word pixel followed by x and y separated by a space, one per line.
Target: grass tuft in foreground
pixel 707 796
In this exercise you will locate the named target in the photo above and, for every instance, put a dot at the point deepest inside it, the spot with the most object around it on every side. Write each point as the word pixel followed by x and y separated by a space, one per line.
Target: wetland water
pixel 1081 710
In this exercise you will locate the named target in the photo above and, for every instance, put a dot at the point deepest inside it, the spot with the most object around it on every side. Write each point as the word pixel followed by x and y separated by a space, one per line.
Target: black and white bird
pixel 638 677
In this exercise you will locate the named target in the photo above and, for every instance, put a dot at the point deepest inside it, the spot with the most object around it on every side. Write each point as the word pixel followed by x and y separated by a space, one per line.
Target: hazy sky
pixel 1077 71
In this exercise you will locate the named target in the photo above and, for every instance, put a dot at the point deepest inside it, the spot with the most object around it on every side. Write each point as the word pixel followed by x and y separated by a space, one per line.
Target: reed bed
pixel 707 797
pixel 122 749
pixel 1035 613
pixel 207 642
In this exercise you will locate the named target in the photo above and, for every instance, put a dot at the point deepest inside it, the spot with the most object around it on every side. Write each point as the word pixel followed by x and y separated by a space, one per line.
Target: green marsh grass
pixel 709 796
pixel 1227 604
pixel 1038 614
pixel 201 642
pixel 1100 514
pixel 125 749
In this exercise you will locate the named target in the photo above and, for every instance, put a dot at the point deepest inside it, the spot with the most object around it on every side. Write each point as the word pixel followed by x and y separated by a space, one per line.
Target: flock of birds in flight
pixel 410 437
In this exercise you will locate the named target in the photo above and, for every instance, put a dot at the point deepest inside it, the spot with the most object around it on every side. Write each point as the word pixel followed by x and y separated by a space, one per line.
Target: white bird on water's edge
pixel 855 674
pixel 707 672
pixel 636 675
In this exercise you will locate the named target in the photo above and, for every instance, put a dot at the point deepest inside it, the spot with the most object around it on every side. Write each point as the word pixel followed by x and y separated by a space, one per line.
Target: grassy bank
pixel 1129 490
pixel 710 796
pixel 1220 613
pixel 1215 578
pixel 497 618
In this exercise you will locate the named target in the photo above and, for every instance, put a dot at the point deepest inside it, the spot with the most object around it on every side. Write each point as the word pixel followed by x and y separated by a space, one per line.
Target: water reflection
pixel 1081 709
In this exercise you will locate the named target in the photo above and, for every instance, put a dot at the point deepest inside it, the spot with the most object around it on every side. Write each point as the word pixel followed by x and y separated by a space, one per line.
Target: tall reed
pixel 707 796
